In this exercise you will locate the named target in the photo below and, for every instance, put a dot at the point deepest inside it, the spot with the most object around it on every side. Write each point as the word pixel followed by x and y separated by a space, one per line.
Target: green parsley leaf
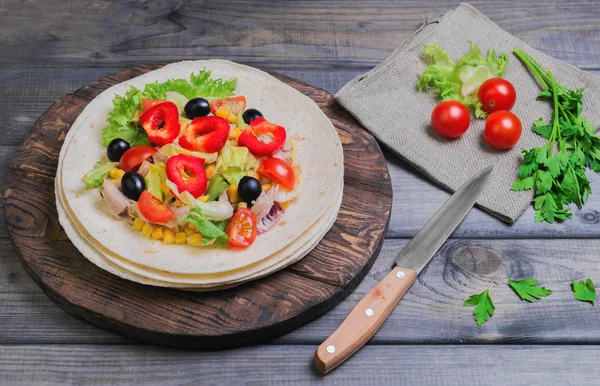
pixel 98 174
pixel 584 291
pixel 558 168
pixel 526 289
pixel 484 308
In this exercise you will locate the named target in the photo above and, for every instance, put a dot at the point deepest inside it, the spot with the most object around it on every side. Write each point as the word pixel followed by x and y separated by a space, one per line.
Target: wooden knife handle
pixel 364 320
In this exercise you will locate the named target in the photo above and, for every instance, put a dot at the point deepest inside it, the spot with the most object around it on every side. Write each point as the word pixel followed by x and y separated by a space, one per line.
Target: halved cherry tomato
pixel 161 123
pixel 241 229
pixel 233 105
pixel 502 129
pixel 149 103
pixel 278 171
pixel 187 173
pixel 134 157
pixel 262 137
pixel 153 209
pixel 205 134
pixel 497 94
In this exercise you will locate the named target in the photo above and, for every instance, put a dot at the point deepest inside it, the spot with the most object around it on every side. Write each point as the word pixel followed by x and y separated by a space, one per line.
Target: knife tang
pixel 364 320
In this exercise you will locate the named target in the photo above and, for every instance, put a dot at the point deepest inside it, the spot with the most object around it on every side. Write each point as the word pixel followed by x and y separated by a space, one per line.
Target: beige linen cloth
pixel 386 101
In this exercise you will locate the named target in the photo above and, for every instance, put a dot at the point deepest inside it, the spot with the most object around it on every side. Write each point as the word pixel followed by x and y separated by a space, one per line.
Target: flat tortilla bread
pixel 319 154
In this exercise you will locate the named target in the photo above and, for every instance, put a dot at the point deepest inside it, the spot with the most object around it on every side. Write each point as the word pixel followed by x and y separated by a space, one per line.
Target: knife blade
pixel 373 309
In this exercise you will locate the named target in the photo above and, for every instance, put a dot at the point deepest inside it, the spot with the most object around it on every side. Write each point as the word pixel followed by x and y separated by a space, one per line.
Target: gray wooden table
pixel 49 48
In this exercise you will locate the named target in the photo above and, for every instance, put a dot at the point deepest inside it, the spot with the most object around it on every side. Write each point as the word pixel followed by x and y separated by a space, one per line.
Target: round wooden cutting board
pixel 253 312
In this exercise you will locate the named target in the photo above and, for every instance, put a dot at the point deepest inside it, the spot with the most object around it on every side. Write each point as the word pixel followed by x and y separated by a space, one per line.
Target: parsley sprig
pixel 557 170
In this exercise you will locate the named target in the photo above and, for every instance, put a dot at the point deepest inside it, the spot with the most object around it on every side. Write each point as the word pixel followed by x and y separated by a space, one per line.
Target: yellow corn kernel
pixel 263 180
pixel 203 198
pixel 222 112
pixel 180 238
pixel 168 237
pixel 266 187
pixel 242 205
pixel 232 192
pixel 234 133
pixel 232 118
pixel 116 173
pixel 138 224
pixel 284 205
pixel 157 233
pixel 194 239
pixel 210 171
pixel 182 126
pixel 178 203
pixel 252 173
pixel 165 189
pixel 191 225
pixel 189 231
pixel 147 229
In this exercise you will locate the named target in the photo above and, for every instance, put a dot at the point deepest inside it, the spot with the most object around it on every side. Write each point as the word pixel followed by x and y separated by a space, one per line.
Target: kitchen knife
pixel 373 309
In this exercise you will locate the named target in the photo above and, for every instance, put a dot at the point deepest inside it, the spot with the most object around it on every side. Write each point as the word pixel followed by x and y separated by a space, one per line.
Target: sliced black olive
pixel 197 107
pixel 116 148
pixel 133 185
pixel 251 114
pixel 249 189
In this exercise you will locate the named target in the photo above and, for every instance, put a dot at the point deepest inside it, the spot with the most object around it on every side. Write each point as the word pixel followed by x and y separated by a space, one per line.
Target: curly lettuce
pixel 460 81
pixel 123 119
pixel 95 177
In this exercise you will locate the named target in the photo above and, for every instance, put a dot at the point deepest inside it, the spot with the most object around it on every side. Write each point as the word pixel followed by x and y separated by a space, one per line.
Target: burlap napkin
pixel 386 101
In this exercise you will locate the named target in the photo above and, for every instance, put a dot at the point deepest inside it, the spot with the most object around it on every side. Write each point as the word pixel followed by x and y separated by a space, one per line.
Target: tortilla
pixel 319 154
pixel 221 281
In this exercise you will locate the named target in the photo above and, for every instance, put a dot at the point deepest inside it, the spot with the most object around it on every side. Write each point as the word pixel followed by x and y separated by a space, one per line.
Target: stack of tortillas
pixel 115 247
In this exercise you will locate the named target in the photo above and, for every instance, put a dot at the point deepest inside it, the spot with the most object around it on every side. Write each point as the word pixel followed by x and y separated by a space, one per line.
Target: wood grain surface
pixel 256 311
pixel 51 48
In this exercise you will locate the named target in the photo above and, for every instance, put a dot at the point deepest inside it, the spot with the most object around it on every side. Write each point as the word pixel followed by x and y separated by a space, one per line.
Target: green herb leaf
pixel 523 184
pixel 484 308
pixel 526 289
pixel 98 174
pixel 584 291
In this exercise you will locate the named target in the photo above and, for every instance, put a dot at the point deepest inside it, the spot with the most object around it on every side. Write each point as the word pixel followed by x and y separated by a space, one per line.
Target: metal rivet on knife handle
pixel 331 349
pixel 369 312
pixel 400 275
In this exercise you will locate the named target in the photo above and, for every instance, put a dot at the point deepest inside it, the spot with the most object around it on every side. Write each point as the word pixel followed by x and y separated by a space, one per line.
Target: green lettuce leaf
pixel 122 120
pixel 208 229
pixel 460 81
pixel 98 174
pixel 216 186
pixel 199 85
pixel 155 178
pixel 234 162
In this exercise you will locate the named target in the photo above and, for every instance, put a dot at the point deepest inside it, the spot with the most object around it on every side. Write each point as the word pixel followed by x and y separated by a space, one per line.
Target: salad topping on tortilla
pixel 187 163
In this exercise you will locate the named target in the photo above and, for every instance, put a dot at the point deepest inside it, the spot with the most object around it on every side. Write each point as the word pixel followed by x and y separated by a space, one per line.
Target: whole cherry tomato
pixel 496 94
pixel 502 130
pixel 450 119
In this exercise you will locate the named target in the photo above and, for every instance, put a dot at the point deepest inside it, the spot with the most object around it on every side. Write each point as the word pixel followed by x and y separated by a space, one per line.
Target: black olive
pixel 116 148
pixel 197 107
pixel 249 189
pixel 133 185
pixel 251 114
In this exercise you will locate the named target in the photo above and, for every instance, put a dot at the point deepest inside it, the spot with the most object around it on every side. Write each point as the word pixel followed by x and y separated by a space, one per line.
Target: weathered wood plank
pixel 294 33
pixel 292 365
pixel 430 312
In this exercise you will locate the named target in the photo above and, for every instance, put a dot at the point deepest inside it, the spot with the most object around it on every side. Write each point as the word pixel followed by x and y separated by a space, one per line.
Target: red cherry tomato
pixel 161 123
pixel 278 171
pixel 233 105
pixel 205 134
pixel 502 130
pixel 450 119
pixel 134 157
pixel 262 138
pixel 149 103
pixel 241 229
pixel 497 94
pixel 187 173
pixel 153 209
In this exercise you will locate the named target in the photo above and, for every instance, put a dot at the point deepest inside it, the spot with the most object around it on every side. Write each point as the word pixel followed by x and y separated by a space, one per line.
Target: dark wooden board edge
pixel 336 291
